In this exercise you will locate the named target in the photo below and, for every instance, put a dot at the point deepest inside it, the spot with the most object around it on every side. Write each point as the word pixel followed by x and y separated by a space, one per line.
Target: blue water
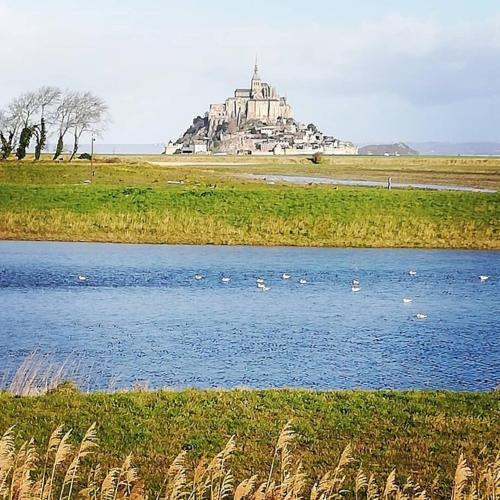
pixel 140 316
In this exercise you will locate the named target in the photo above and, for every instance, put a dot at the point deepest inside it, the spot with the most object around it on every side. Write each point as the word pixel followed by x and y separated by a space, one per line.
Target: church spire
pixel 256 71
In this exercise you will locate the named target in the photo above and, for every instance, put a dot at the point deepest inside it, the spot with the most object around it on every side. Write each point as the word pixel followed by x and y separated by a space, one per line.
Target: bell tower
pixel 256 84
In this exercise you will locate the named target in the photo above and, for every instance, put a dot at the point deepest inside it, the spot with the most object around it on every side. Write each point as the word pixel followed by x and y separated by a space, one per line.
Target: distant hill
pixel 456 148
pixel 387 149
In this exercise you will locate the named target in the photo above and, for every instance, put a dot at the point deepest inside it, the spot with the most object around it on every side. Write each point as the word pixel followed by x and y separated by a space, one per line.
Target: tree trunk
pixel 59 147
pixel 40 140
pixel 75 147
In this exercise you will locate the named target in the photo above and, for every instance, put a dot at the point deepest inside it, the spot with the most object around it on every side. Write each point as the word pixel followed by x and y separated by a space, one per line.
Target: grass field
pixel 481 172
pixel 462 171
pixel 134 202
pixel 420 433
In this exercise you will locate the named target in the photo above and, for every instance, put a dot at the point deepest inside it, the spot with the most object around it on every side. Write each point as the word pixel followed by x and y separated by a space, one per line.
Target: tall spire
pixel 256 70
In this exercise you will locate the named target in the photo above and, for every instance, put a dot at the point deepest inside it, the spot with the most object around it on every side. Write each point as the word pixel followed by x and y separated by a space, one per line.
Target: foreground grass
pixel 420 433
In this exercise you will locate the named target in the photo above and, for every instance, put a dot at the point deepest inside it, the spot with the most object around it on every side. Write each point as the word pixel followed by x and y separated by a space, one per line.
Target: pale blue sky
pixel 379 70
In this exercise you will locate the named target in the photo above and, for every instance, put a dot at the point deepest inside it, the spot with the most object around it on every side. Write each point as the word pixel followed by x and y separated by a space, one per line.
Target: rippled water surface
pixel 140 316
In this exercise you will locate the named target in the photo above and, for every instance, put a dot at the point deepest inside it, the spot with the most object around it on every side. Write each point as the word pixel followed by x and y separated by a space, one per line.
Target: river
pixel 136 314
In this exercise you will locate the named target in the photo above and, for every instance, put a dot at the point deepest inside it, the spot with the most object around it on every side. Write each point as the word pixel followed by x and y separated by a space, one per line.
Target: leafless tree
pixel 47 97
pixel 31 113
pixel 4 124
pixel 89 115
pixel 63 117
pixel 10 125
pixel 23 108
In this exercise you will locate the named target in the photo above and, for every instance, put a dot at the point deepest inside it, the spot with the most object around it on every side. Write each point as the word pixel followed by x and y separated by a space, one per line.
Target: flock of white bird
pixel 355 285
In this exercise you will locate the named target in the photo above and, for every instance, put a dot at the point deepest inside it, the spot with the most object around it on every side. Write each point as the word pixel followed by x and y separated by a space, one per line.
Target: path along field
pixel 420 433
pixel 130 200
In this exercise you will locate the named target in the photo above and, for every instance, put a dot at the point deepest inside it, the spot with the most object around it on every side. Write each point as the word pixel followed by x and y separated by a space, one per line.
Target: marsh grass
pixel 133 170
pixel 252 215
pixel 38 374
pixel 131 201
pixel 422 433
pixel 64 471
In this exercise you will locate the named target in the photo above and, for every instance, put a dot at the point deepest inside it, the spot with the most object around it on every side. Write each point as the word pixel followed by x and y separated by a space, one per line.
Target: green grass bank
pixel 135 203
pixel 420 433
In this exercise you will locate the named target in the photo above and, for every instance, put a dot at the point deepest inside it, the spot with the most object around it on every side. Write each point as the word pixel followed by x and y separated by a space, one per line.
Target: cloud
pixel 157 72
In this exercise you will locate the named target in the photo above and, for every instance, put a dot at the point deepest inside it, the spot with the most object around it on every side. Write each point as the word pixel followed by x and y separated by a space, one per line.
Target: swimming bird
pixel 355 282
pixel 226 279
pixel 260 280
pixel 412 273
pixel 285 276
pixel 483 277
pixel 302 281
pixel 198 276
pixel 355 288
pixel 421 316
pixel 406 301
pixel 261 285
pixel 82 278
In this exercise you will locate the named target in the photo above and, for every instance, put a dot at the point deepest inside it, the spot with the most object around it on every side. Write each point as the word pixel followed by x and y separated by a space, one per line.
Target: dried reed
pixel 24 476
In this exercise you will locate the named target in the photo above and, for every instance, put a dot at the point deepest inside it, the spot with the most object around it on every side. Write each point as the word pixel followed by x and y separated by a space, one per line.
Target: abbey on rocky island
pixel 255 121
pixel 260 102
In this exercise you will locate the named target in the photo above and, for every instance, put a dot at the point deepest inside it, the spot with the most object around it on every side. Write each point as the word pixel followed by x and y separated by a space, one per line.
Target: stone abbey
pixel 260 102
pixel 255 120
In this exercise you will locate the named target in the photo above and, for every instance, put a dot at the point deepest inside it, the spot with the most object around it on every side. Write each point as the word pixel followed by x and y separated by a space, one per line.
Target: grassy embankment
pixel 420 433
pixel 133 202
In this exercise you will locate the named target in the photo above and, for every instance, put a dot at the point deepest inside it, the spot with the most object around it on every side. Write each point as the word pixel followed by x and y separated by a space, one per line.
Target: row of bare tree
pixel 46 111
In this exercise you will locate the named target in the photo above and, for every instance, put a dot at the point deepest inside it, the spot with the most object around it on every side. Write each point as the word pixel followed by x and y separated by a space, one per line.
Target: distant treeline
pixel 33 116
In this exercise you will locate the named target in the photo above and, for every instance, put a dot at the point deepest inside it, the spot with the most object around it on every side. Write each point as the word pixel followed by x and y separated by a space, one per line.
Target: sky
pixel 361 70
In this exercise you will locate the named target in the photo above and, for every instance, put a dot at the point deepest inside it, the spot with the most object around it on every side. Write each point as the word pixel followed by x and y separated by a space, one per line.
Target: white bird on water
pixel 483 277
pixel 355 288
pixel 261 285
pixel 302 281
pixel 285 276
pixel 82 278
pixel 260 280
pixel 407 301
pixel 226 279
pixel 412 273
pixel 421 316
pixel 198 277
pixel 355 282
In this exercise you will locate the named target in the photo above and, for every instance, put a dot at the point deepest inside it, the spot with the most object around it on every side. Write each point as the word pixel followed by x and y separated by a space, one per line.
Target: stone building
pixel 260 102
pixel 256 120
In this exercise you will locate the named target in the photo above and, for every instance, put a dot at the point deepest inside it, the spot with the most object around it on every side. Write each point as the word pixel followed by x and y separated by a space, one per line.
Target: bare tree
pixel 10 125
pixel 30 114
pixel 24 107
pixel 90 115
pixel 4 123
pixel 63 117
pixel 46 97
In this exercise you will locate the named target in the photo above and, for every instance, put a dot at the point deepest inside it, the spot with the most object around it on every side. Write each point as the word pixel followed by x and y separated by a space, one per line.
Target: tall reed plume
pixel 60 474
